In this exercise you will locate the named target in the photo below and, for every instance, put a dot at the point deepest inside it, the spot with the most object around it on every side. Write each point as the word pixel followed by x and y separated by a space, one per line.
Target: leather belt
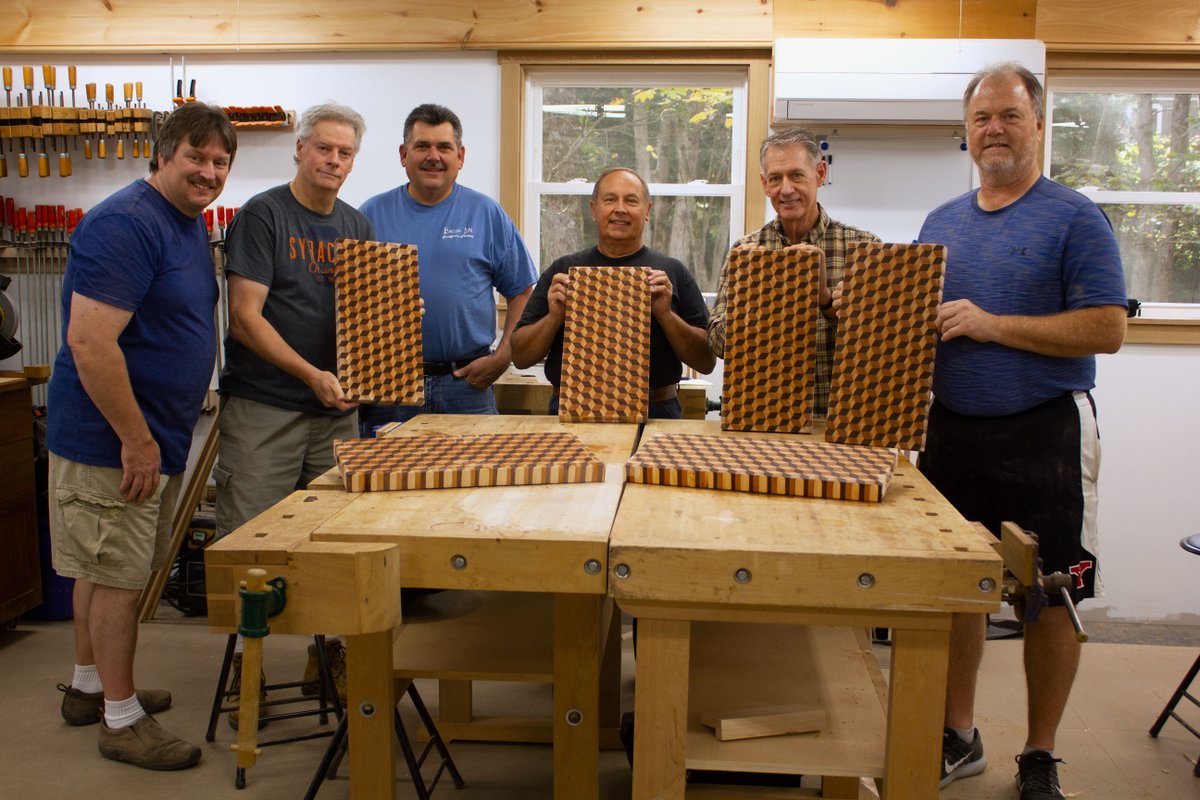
pixel 660 395
pixel 435 368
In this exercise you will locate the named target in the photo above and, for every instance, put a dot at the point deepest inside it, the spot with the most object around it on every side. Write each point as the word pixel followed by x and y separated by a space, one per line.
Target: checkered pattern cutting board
pixel 883 360
pixel 379 322
pixel 770 330
pixel 798 468
pixel 606 346
pixel 436 461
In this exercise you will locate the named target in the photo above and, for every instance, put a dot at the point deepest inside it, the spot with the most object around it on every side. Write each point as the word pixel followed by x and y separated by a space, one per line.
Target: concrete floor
pixel 1120 690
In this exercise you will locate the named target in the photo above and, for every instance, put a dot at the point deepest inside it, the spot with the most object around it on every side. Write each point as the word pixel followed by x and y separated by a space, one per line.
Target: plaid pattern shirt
pixel 832 237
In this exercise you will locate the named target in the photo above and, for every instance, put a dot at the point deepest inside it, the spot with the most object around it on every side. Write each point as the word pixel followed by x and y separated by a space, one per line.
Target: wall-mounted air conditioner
pixel 886 81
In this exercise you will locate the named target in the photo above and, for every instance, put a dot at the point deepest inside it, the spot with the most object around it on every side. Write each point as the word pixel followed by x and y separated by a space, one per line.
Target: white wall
pixel 1147 395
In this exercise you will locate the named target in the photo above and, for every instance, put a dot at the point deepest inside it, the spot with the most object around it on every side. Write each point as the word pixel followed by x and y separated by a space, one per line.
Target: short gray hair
pixel 1037 95
pixel 330 111
pixel 610 171
pixel 789 137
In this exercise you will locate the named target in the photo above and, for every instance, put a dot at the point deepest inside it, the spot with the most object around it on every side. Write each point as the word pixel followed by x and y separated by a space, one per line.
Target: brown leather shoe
pixel 145 744
pixel 87 708
pixel 235 686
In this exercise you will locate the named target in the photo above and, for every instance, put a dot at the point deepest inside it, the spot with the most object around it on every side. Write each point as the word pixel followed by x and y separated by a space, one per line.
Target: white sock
pixel 239 644
pixel 122 713
pixel 86 679
pixel 966 734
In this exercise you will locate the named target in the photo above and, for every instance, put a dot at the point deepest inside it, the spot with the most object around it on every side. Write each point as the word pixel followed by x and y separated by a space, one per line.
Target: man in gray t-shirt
pixel 279 387
pixel 281 403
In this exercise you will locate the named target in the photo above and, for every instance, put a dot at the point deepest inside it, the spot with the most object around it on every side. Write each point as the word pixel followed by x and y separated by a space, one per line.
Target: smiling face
pixel 192 179
pixel 325 159
pixel 432 159
pixel 790 180
pixel 620 210
pixel 1003 130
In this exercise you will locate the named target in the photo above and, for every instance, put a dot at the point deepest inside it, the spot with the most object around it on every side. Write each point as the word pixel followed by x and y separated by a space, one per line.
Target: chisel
pixel 90 128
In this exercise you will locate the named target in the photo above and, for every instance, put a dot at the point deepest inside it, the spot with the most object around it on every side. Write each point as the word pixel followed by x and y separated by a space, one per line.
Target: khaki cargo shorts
pixel 96 536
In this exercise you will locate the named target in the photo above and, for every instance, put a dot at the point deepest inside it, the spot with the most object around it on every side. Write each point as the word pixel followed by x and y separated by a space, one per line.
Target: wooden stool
pixel 326 700
pixel 337 749
pixel 1192 545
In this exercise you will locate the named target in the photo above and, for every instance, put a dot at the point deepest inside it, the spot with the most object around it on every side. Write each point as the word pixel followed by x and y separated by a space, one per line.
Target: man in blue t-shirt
pixel 126 391
pixel 466 246
pixel 620 207
pixel 1034 289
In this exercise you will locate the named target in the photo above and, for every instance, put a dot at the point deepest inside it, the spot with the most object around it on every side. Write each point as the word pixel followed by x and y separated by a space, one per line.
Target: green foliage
pixel 668 135
pixel 1138 143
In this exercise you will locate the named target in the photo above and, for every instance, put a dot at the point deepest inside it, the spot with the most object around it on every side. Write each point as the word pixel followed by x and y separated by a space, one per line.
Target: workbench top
pixel 913 549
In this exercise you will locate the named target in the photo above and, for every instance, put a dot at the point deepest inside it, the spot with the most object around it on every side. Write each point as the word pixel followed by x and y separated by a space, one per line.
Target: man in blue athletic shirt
pixel 466 246
pixel 126 391
pixel 1034 289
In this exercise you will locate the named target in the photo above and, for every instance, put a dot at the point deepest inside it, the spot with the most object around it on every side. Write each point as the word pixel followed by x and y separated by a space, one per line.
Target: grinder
pixel 9 346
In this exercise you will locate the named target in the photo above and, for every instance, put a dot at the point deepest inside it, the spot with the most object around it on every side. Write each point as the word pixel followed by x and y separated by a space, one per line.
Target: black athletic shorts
pixel 1037 468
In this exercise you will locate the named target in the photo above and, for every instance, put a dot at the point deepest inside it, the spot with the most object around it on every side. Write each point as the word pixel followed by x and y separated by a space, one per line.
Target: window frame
pixel 515 65
pixel 540 78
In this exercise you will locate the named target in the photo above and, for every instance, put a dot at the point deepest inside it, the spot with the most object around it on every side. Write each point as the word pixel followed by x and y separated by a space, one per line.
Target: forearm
pixel 516 306
pixel 1070 334
pixel 260 337
pixel 105 377
pixel 532 342
pixel 690 343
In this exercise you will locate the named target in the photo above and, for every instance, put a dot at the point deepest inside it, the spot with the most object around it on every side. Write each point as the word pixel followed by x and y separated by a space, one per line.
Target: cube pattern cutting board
pixel 887 335
pixel 379 322
pixel 606 346
pixel 436 461
pixel 797 468
pixel 770 335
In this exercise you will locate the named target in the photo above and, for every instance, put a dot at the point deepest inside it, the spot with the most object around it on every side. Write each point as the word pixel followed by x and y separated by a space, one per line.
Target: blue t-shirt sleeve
pixel 117 267
pixel 515 271
pixel 1092 272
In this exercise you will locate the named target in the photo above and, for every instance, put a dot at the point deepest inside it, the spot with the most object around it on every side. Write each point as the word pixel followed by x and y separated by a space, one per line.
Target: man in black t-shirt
pixel 620 206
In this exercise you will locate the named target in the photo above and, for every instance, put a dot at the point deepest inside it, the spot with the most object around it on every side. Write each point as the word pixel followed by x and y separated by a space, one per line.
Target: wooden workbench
pixel 548 540
pixel 676 556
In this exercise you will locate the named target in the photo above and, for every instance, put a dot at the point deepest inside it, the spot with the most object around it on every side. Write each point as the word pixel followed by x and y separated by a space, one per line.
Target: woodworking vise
pixel 1025 586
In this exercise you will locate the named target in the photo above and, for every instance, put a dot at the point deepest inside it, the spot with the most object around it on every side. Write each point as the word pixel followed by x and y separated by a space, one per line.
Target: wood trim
pixel 1120 25
pixel 512 127
pixel 1162 331
pixel 758 118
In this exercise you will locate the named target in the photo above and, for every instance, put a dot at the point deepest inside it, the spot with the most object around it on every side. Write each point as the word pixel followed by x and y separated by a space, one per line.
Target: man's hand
pixel 556 297
pixel 483 371
pixel 327 389
pixel 661 292
pixel 964 318
pixel 140 470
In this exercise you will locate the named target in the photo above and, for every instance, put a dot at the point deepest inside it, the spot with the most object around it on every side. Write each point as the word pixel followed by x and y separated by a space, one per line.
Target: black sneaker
pixel 1037 776
pixel 960 759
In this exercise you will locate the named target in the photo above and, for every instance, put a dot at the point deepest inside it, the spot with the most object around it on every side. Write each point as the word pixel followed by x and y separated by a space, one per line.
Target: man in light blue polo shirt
pixel 466 246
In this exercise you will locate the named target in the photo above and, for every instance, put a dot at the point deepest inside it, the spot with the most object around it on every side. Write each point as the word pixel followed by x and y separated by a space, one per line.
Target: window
pixel 682 130
pixel 1133 146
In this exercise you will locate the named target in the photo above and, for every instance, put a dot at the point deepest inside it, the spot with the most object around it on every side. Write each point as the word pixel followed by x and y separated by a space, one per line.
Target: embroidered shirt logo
pixel 1079 569
pixel 458 233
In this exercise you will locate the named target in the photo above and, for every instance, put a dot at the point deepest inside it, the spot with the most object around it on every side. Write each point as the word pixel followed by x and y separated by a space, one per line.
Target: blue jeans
pixel 667 409
pixel 444 394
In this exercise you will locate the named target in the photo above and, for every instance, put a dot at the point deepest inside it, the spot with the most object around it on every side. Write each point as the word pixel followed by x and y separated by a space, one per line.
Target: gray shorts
pixel 265 453
pixel 97 536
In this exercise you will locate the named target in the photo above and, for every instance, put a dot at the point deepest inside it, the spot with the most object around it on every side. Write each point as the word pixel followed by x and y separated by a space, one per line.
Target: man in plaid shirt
pixel 791 169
